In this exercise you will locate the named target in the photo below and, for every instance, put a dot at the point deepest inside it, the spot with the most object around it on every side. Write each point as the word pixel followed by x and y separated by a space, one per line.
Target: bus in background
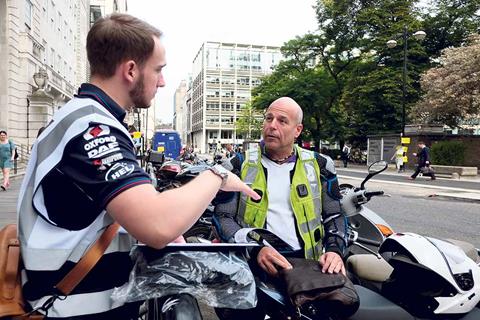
pixel 168 142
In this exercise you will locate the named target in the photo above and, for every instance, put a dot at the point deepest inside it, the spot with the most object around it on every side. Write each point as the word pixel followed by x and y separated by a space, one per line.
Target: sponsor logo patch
pixel 102 164
pixel 96 131
pixel 103 150
pixel 118 170
pixel 98 141
pixel 108 160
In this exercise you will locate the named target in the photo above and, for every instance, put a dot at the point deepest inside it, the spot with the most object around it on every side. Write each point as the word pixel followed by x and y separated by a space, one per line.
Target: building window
pixel 52 57
pixel 227 134
pixel 28 13
pixel 95 14
pixel 212 106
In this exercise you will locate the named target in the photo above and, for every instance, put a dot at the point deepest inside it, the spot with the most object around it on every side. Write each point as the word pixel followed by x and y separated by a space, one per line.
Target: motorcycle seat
pixel 369 267
pixel 467 247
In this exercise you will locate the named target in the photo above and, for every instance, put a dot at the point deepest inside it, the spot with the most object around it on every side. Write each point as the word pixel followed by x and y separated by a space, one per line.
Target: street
pixel 409 206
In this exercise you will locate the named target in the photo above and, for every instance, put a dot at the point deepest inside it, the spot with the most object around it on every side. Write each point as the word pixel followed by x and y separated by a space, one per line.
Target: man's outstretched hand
pixel 234 183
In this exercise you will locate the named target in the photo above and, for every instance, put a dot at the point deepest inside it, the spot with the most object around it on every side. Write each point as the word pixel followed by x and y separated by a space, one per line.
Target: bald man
pixel 300 196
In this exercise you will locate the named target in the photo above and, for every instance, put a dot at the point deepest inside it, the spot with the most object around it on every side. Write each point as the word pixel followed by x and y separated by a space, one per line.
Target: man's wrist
pixel 220 172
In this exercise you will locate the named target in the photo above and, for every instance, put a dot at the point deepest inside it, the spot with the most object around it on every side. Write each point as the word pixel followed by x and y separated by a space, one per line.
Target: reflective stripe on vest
pixel 307 207
pixel 46 247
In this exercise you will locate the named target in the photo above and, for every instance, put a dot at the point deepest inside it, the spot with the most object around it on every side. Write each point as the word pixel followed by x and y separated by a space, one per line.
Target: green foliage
pixel 373 95
pixel 249 124
pixel 450 153
pixel 448 23
pixel 348 82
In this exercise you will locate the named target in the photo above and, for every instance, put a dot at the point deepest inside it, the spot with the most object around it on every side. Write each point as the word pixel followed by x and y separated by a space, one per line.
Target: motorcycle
pixel 413 276
pixel 399 276
pixel 169 174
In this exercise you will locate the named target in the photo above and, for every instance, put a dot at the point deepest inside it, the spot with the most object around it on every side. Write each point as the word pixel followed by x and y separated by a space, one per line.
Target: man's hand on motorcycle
pixel 331 262
pixel 270 260
pixel 234 183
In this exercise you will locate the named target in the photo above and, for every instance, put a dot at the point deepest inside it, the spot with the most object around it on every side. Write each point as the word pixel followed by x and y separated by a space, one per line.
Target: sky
pixel 186 24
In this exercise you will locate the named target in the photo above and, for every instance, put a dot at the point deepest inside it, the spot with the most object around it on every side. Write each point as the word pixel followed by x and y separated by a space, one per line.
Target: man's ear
pixel 129 70
pixel 298 130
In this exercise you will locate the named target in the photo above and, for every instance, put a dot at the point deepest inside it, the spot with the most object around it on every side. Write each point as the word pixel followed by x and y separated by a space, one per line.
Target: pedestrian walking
pixel 423 162
pixel 346 154
pixel 398 157
pixel 7 156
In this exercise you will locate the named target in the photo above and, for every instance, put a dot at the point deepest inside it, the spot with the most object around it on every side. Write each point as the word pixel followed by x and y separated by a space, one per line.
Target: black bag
pixel 307 287
pixel 13 149
pixel 427 171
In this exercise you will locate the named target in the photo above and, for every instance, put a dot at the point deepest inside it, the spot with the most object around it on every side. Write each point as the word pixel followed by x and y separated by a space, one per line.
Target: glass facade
pixel 224 76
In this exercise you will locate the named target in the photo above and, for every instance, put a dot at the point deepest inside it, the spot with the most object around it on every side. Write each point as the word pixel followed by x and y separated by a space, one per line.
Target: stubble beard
pixel 137 94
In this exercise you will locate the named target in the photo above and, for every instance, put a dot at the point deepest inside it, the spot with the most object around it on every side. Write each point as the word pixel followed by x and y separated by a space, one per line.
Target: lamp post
pixel 419 35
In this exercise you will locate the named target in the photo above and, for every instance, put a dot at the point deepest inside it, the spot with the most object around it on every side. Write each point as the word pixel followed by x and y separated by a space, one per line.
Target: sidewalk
pixel 470 195
pixel 393 171
pixel 8 200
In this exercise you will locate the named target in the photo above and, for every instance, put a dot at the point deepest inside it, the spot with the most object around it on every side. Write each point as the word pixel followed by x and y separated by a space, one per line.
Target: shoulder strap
pixel 88 261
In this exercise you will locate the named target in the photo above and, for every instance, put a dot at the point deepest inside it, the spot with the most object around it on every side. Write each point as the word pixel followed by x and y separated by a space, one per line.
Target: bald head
pixel 282 125
pixel 289 105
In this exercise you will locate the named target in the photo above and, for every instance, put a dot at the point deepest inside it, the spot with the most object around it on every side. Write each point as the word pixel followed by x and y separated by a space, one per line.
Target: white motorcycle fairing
pixel 447 261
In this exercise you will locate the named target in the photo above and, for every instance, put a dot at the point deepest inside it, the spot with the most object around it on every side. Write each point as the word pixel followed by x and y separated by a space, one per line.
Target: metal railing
pixel 23 157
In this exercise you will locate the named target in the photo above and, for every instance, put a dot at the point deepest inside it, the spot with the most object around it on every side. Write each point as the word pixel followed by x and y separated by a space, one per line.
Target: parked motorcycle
pixel 169 174
pixel 398 276
pixel 411 276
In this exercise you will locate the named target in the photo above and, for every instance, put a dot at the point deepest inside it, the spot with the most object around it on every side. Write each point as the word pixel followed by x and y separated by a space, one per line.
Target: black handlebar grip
pixel 369 242
pixel 373 193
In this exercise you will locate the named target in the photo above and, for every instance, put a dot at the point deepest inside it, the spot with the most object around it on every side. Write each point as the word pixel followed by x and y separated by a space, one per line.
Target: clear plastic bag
pixel 218 279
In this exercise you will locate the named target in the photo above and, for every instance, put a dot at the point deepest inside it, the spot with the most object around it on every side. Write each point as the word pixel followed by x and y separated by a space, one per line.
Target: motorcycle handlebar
pixel 373 193
pixel 368 242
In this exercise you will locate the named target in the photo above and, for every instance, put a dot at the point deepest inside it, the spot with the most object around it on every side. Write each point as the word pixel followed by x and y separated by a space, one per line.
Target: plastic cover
pixel 218 279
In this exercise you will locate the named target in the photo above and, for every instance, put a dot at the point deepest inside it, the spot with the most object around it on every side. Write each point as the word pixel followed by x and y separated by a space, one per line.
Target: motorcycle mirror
pixel 374 169
pixel 377 167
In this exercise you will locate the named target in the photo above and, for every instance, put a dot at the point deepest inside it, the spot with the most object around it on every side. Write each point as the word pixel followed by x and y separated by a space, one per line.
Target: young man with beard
pixel 83 175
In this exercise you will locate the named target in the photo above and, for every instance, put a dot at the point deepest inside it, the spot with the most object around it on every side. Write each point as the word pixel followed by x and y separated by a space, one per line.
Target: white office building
pixel 223 76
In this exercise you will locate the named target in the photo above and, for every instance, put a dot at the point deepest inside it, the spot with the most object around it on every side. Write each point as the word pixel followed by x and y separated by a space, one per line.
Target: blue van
pixel 168 142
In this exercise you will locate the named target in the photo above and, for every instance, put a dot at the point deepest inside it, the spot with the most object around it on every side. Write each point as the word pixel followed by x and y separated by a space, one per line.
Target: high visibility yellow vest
pixel 305 198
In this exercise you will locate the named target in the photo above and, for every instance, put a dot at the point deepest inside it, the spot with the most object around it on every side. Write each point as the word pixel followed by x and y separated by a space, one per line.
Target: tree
pixel 313 73
pixel 448 23
pixel 248 124
pixel 452 91
pixel 373 94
